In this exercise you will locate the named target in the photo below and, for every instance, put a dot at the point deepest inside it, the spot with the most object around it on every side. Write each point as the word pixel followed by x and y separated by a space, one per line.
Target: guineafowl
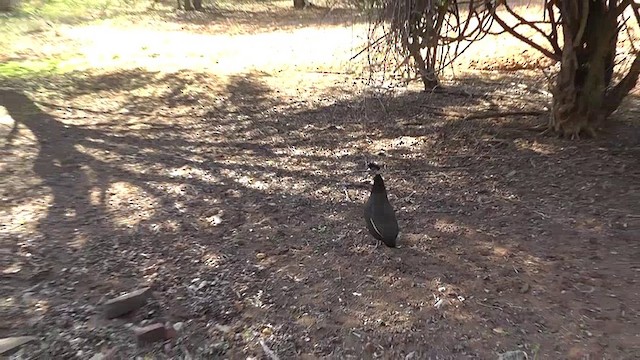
pixel 379 215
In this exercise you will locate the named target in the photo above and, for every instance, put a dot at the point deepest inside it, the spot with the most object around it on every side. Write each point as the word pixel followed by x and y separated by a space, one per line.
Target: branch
pixel 577 42
pixel 553 37
pixel 636 11
pixel 623 5
pixel 622 89
pixel 522 38
pixel 500 114
pixel 376 42
pixel 523 21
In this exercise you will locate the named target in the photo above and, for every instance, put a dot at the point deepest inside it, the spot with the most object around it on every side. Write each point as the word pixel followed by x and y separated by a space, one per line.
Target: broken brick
pixel 126 303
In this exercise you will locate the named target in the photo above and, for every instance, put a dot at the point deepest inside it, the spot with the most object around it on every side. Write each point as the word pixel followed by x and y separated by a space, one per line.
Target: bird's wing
pixel 375 227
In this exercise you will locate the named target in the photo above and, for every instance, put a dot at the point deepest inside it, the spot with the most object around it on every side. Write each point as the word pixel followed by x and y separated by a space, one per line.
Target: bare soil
pixel 237 196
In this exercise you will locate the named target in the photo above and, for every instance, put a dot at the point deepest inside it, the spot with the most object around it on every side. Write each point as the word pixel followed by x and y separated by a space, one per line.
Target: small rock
pixel 11 344
pixel 511 173
pixel 261 256
pixel 223 328
pixel 499 330
pixel 514 355
pixel 35 321
pixel 126 303
pixel 267 331
pixel 216 220
pixel 170 332
pixel 525 288
pixel 369 348
pixel 151 333
pixel 97 357
pixel 178 326
pixel 438 304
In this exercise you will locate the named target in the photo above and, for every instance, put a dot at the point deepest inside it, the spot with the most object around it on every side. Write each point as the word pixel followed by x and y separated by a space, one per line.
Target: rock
pixel 223 328
pixel 369 348
pixel 178 326
pixel 514 355
pixel 151 333
pixel 499 330
pixel 261 256
pixel 11 344
pixel 126 303
pixel 525 288
pixel 170 332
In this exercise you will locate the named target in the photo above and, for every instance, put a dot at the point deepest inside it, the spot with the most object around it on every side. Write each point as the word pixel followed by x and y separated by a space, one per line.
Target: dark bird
pixel 379 215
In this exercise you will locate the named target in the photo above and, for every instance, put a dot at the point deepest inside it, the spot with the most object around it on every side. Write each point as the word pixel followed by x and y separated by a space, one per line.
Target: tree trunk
pixel 8 5
pixel 580 95
pixel 426 69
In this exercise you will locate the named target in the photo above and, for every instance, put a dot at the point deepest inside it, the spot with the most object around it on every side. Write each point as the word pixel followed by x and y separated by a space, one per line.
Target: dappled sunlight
pixel 212 259
pixel 191 172
pixel 537 147
pixel 14 134
pixel 22 216
pixel 226 171
pixel 444 225
pixel 128 205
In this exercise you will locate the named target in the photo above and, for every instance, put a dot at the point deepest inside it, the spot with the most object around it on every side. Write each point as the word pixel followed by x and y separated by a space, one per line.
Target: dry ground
pixel 218 159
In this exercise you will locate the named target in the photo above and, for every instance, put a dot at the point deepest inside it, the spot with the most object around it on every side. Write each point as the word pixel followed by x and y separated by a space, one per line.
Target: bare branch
pixel 622 6
pixel 523 21
pixel 636 11
pixel 583 24
pixel 523 38
pixel 553 37
pixel 614 97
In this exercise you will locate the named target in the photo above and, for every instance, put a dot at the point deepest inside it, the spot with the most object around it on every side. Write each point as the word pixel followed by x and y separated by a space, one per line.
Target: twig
pixel 503 114
pixel 492 306
pixel 268 351
pixel 346 193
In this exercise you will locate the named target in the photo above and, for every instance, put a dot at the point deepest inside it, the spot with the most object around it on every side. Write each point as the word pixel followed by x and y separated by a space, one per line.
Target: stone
pixel 12 344
pixel 513 355
pixel 126 303
pixel 150 334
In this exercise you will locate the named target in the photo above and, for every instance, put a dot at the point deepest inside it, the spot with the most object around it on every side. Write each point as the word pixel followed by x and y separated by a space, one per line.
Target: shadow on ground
pixel 242 208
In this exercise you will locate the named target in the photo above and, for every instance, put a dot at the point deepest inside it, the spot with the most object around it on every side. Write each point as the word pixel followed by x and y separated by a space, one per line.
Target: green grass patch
pixel 75 11
pixel 30 69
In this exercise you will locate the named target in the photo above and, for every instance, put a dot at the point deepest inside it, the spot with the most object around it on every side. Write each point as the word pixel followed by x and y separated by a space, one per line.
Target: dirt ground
pixel 230 179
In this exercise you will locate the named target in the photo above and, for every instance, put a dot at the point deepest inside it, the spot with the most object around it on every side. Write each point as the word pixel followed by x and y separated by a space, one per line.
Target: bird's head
pixel 373 168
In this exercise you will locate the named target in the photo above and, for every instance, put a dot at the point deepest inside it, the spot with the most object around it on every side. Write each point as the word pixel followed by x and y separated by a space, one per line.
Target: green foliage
pixel 30 69
pixel 71 11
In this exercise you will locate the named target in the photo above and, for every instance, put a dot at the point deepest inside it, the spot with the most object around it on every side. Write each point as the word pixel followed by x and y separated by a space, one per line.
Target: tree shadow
pixel 259 198
pixel 260 17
